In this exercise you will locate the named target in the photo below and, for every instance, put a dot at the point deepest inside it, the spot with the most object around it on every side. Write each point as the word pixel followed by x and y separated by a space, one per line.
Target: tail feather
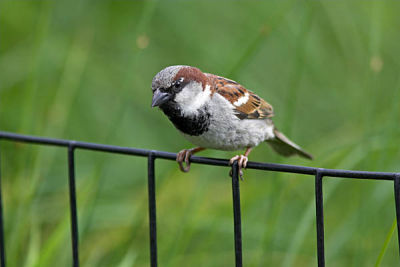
pixel 282 145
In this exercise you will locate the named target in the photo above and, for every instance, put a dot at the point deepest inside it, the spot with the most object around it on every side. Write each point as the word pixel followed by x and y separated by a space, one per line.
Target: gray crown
pixel 165 77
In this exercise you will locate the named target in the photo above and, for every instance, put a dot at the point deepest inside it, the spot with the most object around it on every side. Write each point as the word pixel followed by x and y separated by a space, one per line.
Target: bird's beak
pixel 160 98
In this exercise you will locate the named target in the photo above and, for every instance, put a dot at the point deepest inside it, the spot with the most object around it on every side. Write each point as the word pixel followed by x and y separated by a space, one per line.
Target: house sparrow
pixel 214 112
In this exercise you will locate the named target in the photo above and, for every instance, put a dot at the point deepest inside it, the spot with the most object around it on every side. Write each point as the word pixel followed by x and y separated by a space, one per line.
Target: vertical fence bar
pixel 2 247
pixel 319 204
pixel 236 214
pixel 152 210
pixel 72 205
pixel 397 201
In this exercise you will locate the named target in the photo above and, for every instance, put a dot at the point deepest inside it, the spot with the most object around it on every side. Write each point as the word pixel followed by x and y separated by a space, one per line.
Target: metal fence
pixel 152 155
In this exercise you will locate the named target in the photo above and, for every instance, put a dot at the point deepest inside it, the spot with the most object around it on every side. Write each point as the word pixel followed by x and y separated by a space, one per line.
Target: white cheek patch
pixel 202 97
pixel 193 97
pixel 242 100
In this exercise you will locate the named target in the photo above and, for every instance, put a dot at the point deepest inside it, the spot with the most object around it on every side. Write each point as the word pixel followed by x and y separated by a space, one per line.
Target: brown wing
pixel 247 105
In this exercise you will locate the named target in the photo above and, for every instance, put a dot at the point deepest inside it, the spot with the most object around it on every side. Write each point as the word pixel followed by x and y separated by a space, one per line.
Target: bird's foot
pixel 242 163
pixel 184 156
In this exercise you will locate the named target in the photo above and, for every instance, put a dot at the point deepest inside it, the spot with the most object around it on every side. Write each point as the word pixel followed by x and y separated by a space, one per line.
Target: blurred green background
pixel 82 70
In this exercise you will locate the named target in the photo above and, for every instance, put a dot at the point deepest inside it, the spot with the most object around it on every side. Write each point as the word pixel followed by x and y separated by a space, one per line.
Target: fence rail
pixel 152 155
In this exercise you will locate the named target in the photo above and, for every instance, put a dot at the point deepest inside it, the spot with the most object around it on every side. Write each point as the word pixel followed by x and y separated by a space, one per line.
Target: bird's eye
pixel 178 83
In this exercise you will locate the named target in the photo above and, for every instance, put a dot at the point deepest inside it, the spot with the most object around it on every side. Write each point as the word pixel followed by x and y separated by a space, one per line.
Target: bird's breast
pixel 225 131
pixel 192 125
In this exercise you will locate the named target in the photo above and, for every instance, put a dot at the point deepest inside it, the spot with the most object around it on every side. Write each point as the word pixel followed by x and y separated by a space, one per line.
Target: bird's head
pixel 184 86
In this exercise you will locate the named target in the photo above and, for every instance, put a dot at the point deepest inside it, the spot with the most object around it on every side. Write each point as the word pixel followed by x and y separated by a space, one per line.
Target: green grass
pixel 83 71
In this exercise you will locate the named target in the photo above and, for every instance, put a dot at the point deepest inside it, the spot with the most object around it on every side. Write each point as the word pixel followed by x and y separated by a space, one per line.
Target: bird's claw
pixel 240 174
pixel 242 163
pixel 184 156
pixel 242 160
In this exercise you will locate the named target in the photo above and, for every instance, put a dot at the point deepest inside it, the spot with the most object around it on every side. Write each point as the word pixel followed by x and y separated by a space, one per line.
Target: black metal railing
pixel 152 155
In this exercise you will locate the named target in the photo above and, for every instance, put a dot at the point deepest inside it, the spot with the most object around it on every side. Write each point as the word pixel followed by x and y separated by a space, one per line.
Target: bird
pixel 213 112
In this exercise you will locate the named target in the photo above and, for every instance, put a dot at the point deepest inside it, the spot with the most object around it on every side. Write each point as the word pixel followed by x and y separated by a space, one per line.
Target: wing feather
pixel 247 105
